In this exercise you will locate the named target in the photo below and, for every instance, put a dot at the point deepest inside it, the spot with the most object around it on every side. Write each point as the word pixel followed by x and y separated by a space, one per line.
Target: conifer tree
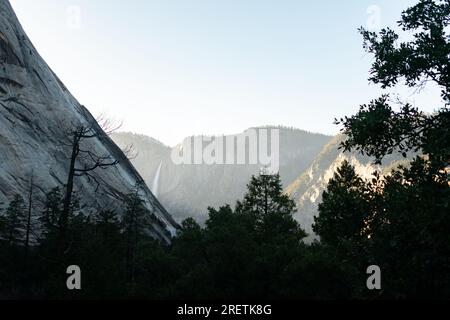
pixel 344 209
pixel 14 221
pixel 270 208
pixel 134 222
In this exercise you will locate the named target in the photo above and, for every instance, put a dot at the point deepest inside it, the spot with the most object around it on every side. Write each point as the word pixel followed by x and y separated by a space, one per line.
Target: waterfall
pixel 156 180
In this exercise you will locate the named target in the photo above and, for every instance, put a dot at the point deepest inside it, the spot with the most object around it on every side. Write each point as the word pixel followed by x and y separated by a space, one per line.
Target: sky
pixel 174 68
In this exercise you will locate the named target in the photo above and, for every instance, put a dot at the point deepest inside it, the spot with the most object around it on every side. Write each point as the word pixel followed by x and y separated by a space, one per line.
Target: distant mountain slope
pixel 307 162
pixel 35 107
pixel 308 188
pixel 188 190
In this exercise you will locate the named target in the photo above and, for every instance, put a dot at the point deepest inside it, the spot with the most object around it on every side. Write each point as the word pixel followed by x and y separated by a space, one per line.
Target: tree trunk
pixel 28 228
pixel 69 185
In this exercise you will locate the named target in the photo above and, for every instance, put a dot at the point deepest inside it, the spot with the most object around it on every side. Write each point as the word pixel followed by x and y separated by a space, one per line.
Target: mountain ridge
pixel 188 190
pixel 303 182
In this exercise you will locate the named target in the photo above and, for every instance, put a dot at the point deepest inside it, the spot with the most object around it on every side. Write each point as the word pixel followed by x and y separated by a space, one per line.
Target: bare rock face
pixel 308 188
pixel 35 111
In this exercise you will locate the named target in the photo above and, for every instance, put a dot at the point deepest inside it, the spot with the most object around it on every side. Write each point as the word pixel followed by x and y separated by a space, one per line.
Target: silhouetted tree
pixel 402 218
pixel 240 253
pixel 271 209
pixel 52 212
pixel 344 211
pixel 30 215
pixel 378 130
pixel 134 223
pixel 87 157
pixel 13 223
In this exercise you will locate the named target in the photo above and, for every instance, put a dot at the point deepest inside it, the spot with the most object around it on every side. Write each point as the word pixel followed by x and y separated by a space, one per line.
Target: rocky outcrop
pixel 308 188
pixel 35 111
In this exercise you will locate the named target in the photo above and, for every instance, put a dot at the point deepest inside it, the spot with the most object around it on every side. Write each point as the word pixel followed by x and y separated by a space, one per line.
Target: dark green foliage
pixel 400 221
pixel 134 223
pixel 269 209
pixel 240 253
pixel 410 231
pixel 156 270
pixel 100 255
pixel 135 218
pixel 317 272
pixel 425 58
pixel 12 225
pixel 377 129
pixel 344 210
pixel 51 220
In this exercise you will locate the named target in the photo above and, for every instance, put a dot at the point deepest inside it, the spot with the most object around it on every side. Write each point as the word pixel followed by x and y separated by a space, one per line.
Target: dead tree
pixel 83 161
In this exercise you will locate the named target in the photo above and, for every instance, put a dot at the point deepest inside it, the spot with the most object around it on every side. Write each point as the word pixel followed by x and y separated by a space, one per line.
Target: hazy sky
pixel 173 68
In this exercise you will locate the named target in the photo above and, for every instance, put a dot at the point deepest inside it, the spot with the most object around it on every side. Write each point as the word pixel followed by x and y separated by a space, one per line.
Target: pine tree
pixel 108 225
pixel 344 209
pixel 14 221
pixel 270 208
pixel 134 222
pixel 99 249
pixel 29 217
pixel 51 215
pixel 58 230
